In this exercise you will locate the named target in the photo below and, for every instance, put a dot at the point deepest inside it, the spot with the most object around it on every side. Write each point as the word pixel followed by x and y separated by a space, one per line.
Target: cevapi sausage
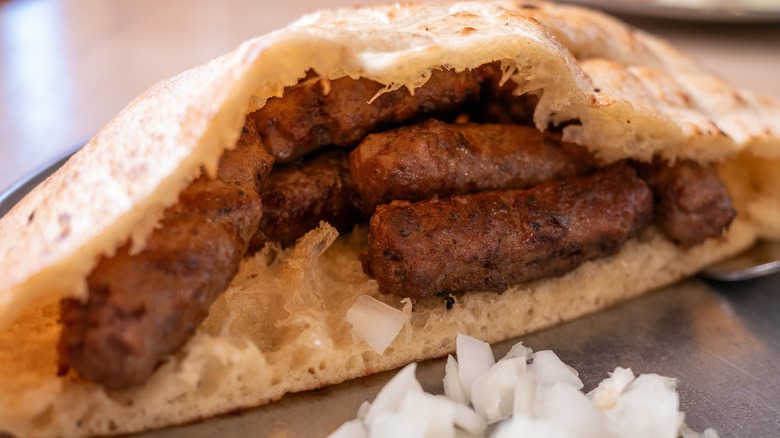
pixel 144 306
pixel 438 159
pixel 491 240
pixel 298 196
pixel 316 113
pixel 691 203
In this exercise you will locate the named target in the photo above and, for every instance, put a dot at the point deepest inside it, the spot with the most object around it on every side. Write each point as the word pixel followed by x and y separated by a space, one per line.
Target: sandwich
pixel 347 194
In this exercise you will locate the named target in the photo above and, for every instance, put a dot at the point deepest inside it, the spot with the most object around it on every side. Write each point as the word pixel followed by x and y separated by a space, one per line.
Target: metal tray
pixel 720 340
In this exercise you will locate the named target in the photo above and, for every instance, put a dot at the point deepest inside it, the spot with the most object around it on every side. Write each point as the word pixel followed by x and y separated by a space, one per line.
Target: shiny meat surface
pixel 491 240
pixel 143 307
pixel 691 203
pixel 438 159
pixel 298 196
pixel 311 115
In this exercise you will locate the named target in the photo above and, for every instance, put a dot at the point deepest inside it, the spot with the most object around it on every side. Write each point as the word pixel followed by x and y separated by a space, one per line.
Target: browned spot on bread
pixel 64 220
pixel 464 15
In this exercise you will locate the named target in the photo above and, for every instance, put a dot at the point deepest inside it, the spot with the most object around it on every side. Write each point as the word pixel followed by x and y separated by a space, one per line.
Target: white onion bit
pixel 606 394
pixel 452 386
pixel 519 351
pixel 376 322
pixel 541 399
pixel 351 429
pixel 393 425
pixel 390 396
pixel 475 358
pixel 548 369
pixel 470 421
pixel 437 410
pixel 493 393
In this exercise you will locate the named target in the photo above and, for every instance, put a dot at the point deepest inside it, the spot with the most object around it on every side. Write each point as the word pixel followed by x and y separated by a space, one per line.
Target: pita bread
pixel 634 95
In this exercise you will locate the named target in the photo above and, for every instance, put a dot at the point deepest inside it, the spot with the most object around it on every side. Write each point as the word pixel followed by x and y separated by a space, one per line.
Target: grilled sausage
pixel 691 203
pixel 311 115
pixel 298 196
pixel 491 240
pixel 438 159
pixel 144 306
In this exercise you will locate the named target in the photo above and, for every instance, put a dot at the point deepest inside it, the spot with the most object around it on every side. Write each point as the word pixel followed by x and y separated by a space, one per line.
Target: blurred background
pixel 67 67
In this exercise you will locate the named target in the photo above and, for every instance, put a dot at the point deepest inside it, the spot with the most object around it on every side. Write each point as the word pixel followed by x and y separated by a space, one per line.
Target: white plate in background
pixel 721 11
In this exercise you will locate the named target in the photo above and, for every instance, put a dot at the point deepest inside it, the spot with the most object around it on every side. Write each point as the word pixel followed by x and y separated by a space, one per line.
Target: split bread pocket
pixel 282 326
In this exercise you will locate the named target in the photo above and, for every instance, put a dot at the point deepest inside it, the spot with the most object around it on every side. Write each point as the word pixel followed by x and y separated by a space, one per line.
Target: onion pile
pixel 523 394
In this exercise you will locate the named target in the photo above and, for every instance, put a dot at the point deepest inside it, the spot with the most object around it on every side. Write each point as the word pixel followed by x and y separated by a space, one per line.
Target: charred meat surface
pixel 491 240
pixel 691 203
pixel 142 307
pixel 298 196
pixel 438 159
pixel 315 113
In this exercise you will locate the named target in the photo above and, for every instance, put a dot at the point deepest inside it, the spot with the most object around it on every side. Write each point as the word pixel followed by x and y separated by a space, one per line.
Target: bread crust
pixel 632 95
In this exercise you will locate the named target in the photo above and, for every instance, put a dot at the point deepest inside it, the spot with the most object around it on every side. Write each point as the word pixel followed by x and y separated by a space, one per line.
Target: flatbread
pixel 280 328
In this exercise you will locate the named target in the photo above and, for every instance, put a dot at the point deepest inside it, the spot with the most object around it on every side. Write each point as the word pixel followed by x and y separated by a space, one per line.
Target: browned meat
pixel 438 159
pixel 490 240
pixel 298 196
pixel 307 118
pixel 691 203
pixel 143 307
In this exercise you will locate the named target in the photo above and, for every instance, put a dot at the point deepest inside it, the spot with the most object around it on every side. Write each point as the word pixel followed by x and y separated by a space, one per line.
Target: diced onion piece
pixel 565 405
pixel 687 432
pixel 606 394
pixel 529 427
pixel 548 369
pixel 394 425
pixel 469 421
pixel 376 322
pixel 437 411
pixel 647 408
pixel 363 410
pixel 391 395
pixel 543 397
pixel 519 350
pixel 452 386
pixel 525 394
pixel 493 393
pixel 475 358
pixel 350 429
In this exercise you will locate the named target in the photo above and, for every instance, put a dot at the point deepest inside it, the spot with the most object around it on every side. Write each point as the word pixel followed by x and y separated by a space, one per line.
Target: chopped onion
pixel 437 410
pixel 376 322
pixel 363 410
pixel 606 394
pixel 525 394
pixel 493 393
pixel 391 395
pixel 475 358
pixel 548 369
pixel 394 425
pixel 351 429
pixel 568 407
pixel 529 427
pixel 452 386
pixel 538 399
pixel 521 351
pixel 469 421
pixel 648 408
